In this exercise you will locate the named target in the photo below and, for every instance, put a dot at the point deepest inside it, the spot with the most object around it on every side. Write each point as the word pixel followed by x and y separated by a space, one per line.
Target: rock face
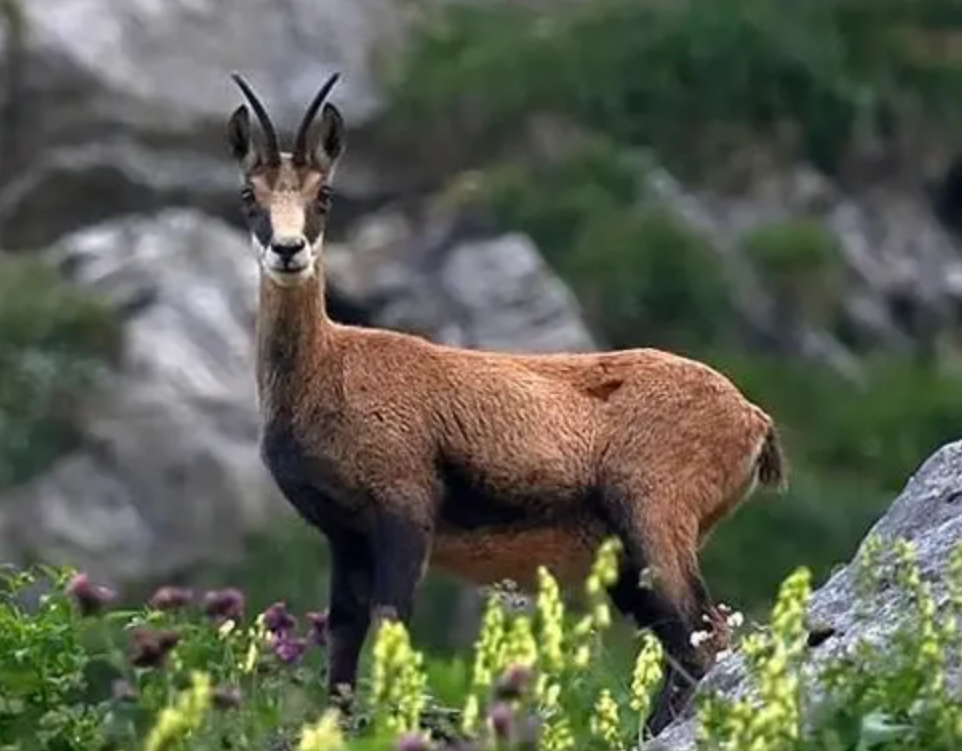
pixel 169 464
pixel 129 101
pixel 169 474
pixel 928 513
pixel 903 268
pixel 457 285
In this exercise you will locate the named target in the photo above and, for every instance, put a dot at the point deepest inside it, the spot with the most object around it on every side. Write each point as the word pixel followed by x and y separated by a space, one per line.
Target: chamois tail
pixel 771 465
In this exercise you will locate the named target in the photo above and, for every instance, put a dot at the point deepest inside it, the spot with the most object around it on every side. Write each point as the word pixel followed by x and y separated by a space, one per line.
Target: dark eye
pixel 247 195
pixel 324 196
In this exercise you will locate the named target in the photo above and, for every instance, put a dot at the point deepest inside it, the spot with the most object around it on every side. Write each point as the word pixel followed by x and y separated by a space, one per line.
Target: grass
pixel 203 672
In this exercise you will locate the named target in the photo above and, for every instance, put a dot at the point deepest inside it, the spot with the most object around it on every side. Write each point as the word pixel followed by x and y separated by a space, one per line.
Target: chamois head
pixel 286 195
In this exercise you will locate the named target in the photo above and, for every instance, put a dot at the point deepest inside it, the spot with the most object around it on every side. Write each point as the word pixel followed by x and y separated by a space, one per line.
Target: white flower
pixel 699 637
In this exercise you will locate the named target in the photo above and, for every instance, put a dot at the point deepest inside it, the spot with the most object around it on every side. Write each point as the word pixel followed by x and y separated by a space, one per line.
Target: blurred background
pixel 774 187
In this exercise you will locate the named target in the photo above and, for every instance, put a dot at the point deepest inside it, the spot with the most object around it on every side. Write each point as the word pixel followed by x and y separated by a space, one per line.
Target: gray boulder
pixel 902 267
pixel 927 513
pixel 456 284
pixel 168 473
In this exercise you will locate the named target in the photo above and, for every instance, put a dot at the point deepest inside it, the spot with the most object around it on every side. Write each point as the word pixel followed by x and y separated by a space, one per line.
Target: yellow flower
pixel 520 647
pixel 647 673
pixel 551 619
pixel 775 660
pixel 397 678
pixel 186 715
pixel 323 735
pixel 604 723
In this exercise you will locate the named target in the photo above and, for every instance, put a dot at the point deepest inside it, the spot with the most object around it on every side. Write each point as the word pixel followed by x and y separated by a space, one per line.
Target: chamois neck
pixel 293 334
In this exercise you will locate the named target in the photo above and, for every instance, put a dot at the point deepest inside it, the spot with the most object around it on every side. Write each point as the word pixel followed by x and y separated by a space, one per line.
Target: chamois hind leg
pixel 671 601
pixel 350 613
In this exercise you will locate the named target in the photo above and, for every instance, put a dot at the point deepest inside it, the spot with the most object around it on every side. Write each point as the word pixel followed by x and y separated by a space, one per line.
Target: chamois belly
pixel 493 555
pixel 488 532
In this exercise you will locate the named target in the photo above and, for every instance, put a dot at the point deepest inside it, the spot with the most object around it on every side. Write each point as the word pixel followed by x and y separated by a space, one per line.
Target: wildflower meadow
pixel 192 670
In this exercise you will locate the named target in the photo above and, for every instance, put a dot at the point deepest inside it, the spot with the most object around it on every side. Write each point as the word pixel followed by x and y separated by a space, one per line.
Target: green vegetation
pixel 54 342
pixel 705 88
pixel 800 261
pixel 699 82
pixel 203 673
pixel 641 273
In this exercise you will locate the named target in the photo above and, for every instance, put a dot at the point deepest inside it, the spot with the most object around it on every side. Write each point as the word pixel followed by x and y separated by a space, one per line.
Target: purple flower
pixel 148 648
pixel 289 649
pixel 277 620
pixel 90 598
pixel 501 716
pixel 224 604
pixel 317 632
pixel 411 742
pixel 171 598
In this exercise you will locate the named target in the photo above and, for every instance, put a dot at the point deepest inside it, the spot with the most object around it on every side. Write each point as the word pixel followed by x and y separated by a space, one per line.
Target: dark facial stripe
pixel 259 222
pixel 313 223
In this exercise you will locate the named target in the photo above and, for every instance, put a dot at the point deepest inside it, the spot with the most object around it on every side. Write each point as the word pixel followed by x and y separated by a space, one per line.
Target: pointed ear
pixel 239 133
pixel 329 139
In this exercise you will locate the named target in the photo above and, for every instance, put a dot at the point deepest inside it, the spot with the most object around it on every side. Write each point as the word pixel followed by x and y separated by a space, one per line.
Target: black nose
pixel 287 249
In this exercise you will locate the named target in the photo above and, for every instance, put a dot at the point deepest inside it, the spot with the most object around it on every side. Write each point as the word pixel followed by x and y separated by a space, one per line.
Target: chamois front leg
pixel 350 613
pixel 401 542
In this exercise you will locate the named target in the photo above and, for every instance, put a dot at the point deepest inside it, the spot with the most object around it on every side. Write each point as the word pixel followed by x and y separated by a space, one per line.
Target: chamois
pixel 407 453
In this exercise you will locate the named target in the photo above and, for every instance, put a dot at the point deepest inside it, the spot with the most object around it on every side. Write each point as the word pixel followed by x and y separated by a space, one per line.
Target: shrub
pixel 646 278
pixel 54 342
pixel 199 669
pixel 801 260
pixel 553 201
pixel 43 660
pixel 641 274
pixel 698 81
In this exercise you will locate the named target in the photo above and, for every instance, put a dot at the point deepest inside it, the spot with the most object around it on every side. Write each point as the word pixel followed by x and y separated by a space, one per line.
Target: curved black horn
pixel 273 147
pixel 300 141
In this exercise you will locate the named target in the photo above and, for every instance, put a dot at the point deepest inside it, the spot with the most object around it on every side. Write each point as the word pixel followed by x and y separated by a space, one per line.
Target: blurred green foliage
pixel 55 340
pixel 852 449
pixel 696 81
pixel 641 273
pixel 801 261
